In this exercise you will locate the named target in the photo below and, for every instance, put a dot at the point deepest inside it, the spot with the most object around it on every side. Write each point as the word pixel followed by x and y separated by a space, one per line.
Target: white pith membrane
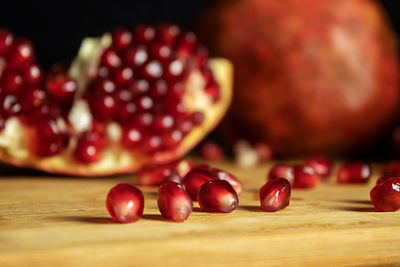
pixel 14 142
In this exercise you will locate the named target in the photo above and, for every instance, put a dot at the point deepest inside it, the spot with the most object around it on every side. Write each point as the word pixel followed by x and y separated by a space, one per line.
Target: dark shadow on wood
pixel 355 201
pixel 154 217
pixel 86 219
pixel 250 208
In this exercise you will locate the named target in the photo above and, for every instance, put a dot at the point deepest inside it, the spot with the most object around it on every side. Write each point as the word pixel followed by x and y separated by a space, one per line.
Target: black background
pixel 56 28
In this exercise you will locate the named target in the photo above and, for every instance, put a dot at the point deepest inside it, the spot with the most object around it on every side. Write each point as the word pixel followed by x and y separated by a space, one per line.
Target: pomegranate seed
pixel 103 85
pixel 125 111
pixel 142 119
pixel 321 165
pixel 89 146
pixel 153 70
pixel 61 89
pixel 184 125
pixel 384 178
pixel 168 33
pixel 223 175
pixel 386 195
pixel 32 73
pixel 144 34
pixel 305 177
pixel 122 76
pixel 140 86
pixel 211 151
pixel 110 59
pixel 187 45
pixel 174 69
pixel 171 139
pixel 152 143
pixel 173 177
pixel 121 39
pixel 21 52
pixel 131 137
pixel 194 179
pixel 47 148
pixel 197 118
pixel 174 202
pixel 9 105
pixel 212 89
pixel 355 172
pixel 32 97
pixel 6 41
pixel 163 122
pixel 154 175
pixel 275 194
pixel 392 168
pixel 125 203
pixel 144 103
pixel 184 166
pixel 264 151
pixel 160 52
pixel 282 171
pixel 158 89
pixel 103 106
pixel 11 81
pixel 217 196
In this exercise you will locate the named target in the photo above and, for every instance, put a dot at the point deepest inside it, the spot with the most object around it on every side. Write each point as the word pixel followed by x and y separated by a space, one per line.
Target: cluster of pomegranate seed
pixel 307 175
pixel 40 101
pixel 211 151
pixel 214 189
pixel 141 84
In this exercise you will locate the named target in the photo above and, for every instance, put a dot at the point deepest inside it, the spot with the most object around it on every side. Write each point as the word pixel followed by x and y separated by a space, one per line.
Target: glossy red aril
pixel 194 180
pixel 275 194
pixel 321 165
pixel 174 202
pixel 223 175
pixel 305 177
pixel 217 196
pixel 6 41
pixel 211 151
pixel 154 175
pixel 354 172
pixel 125 203
pixel 61 88
pixel 282 171
pixel 385 196
pixel 20 53
pixel 384 178
pixel 89 147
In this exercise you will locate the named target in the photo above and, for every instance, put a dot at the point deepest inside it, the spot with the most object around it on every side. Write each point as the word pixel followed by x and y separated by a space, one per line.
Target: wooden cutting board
pixel 60 221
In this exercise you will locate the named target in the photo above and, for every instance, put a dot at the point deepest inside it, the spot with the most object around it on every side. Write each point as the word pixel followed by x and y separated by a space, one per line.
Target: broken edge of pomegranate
pixel 114 160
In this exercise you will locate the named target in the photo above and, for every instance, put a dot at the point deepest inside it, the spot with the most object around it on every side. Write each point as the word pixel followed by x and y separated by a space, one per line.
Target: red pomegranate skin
pixel 323 75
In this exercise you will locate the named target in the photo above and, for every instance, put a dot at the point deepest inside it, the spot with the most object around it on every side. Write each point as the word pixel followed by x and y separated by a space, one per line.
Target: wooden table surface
pixel 62 221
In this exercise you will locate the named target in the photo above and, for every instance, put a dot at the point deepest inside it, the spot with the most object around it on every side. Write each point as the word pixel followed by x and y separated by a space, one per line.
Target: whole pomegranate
pixel 311 76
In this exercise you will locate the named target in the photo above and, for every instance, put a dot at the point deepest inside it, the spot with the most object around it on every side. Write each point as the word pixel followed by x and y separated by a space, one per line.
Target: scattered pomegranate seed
pixel 392 168
pixel 275 194
pixel 282 171
pixel 154 175
pixel 223 175
pixel 211 151
pixel 194 179
pixel 321 165
pixel 125 203
pixel 217 196
pixel 385 196
pixel 305 177
pixel 174 202
pixel 121 39
pixel 264 151
pixel 355 172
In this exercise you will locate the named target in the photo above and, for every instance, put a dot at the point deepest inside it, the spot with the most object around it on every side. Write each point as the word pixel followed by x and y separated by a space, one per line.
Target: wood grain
pixel 61 221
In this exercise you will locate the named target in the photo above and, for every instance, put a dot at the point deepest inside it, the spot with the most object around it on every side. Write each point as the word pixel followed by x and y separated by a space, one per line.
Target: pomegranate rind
pixel 114 160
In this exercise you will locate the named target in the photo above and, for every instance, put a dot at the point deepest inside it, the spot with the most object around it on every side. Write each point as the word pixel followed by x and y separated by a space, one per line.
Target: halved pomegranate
pixel 131 98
